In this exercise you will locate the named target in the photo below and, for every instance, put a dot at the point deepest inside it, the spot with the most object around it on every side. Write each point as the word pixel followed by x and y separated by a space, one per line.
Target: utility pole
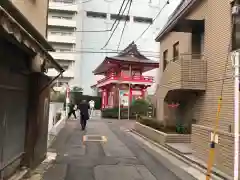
pixel 129 91
pixel 235 60
pixel 67 99
pixel 119 104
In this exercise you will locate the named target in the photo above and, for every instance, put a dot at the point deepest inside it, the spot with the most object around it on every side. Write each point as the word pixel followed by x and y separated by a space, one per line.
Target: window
pixel 165 59
pixel 61 30
pixel 96 15
pixel 68 18
pixel 54 33
pixel 63 50
pixel 62 17
pixel 236 32
pixel 65 1
pixel 56 17
pixel 176 51
pixel 119 17
pixel 136 73
pixel 143 20
pixel 125 73
pixel 62 33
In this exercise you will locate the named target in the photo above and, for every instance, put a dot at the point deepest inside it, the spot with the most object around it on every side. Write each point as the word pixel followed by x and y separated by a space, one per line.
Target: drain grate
pixel 94 138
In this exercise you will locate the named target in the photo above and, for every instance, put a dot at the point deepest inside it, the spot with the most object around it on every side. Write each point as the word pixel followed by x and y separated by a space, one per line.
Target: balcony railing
pixel 61 38
pixel 188 71
pixel 66 56
pixel 64 6
pixel 147 79
pixel 61 22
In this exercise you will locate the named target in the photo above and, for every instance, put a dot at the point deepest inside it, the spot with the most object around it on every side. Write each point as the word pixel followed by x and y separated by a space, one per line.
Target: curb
pixel 38 172
pixel 19 175
pixel 188 161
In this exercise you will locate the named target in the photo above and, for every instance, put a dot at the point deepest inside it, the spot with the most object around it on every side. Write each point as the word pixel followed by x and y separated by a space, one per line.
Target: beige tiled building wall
pixel 35 11
pixel 217 16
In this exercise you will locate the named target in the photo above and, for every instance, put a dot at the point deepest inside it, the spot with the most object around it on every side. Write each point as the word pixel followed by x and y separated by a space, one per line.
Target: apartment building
pixel 61 34
pixel 24 87
pixel 195 46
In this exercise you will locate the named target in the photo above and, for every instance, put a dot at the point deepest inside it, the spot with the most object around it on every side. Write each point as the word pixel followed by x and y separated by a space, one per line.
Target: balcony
pixel 67 56
pixel 61 38
pixel 144 80
pixel 188 72
pixel 62 22
pixel 63 6
pixel 68 74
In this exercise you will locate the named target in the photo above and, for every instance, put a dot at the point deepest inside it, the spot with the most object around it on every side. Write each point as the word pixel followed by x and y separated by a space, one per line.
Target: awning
pixel 12 27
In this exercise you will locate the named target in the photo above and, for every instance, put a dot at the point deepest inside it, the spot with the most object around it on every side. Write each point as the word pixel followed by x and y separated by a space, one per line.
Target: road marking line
pixel 90 138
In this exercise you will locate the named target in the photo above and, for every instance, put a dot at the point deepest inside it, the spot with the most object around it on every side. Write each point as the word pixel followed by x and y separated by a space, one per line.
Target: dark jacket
pixel 71 107
pixel 84 107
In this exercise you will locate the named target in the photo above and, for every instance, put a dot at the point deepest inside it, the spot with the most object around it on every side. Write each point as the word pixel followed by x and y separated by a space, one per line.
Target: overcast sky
pixel 158 25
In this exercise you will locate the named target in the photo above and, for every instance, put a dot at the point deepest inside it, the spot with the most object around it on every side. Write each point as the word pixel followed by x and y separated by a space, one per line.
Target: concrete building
pixel 24 88
pixel 195 45
pixel 99 16
pixel 61 35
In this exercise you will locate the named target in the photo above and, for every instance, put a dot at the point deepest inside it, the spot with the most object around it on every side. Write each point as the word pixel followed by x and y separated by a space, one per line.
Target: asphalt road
pixel 118 156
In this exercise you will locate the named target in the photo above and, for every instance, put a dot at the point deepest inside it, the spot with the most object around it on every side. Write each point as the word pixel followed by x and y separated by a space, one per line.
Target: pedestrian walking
pixel 91 105
pixel 72 109
pixel 84 113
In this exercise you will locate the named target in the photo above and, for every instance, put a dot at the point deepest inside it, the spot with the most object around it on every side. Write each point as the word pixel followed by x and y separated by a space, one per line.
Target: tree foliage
pixel 57 96
pixel 76 89
pixel 140 107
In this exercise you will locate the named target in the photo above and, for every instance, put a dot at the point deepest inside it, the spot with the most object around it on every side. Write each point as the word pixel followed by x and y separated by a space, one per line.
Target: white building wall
pixel 87 62
pixel 62 36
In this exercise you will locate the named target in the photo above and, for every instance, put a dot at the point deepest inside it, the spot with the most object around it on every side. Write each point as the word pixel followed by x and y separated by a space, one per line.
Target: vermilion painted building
pixel 121 72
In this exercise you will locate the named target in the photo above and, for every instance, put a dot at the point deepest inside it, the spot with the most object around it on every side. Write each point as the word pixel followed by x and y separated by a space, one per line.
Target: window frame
pixel 119 17
pixel 145 20
pixel 235 33
pixel 176 53
pixel 165 59
pixel 96 15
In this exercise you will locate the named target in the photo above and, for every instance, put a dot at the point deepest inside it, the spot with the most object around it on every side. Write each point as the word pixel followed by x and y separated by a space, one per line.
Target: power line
pixel 116 25
pixel 194 81
pixel 167 2
pixel 166 85
pixel 71 4
pixel 115 50
pixel 101 52
pixel 124 25
pixel 146 53
pixel 107 30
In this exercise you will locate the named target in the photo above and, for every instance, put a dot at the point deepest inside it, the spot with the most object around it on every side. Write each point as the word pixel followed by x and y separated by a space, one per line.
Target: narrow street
pixel 119 157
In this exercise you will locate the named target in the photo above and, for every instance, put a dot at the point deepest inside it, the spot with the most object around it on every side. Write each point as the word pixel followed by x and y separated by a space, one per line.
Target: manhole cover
pixel 94 138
